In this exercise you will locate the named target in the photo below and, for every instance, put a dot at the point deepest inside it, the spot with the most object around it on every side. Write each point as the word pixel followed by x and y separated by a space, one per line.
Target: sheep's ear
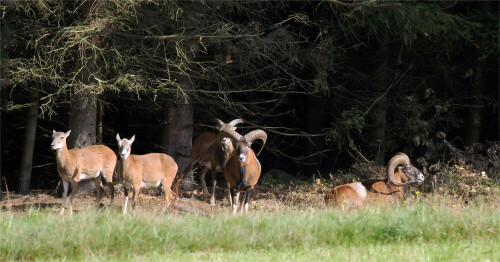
pixel 118 138
pixel 132 139
pixel 67 133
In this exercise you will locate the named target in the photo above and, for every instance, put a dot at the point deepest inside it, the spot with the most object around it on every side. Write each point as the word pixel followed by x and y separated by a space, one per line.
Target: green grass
pixel 406 233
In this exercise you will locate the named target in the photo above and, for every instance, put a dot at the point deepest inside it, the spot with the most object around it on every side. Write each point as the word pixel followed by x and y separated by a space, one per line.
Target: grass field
pixel 413 232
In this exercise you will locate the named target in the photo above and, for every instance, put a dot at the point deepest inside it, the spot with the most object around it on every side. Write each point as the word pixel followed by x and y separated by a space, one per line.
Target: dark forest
pixel 333 84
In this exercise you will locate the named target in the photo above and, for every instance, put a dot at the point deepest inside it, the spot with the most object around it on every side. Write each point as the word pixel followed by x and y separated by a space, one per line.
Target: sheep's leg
pixel 230 196
pixel 166 191
pixel 235 193
pixel 126 200
pixel 112 193
pixel 136 191
pixel 108 176
pixel 74 187
pixel 214 183
pixel 243 201
pixel 65 195
pixel 247 198
pixel 97 182
pixel 204 171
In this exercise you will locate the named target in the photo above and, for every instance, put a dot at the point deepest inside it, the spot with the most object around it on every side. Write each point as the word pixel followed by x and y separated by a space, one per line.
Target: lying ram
pixel 400 173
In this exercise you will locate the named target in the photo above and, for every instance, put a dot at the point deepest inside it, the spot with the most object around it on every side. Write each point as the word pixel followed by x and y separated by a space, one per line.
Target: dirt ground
pixel 264 198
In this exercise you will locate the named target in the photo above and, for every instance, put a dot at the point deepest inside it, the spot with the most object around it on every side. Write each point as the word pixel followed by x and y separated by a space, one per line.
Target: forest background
pixel 324 79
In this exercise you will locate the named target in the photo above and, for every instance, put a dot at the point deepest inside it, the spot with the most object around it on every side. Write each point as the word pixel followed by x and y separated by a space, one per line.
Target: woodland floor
pixel 264 198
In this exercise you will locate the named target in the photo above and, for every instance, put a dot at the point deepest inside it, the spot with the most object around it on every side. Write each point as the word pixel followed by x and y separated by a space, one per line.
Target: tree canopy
pixel 319 77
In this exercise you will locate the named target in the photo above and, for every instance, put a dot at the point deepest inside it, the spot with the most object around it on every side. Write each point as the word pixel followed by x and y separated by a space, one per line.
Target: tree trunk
pixel 83 108
pixel 100 114
pixel 178 130
pixel 4 66
pixel 379 116
pixel 26 161
pixel 82 121
pixel 473 128
pixel 314 123
pixel 474 116
pixel 379 131
pixel 83 111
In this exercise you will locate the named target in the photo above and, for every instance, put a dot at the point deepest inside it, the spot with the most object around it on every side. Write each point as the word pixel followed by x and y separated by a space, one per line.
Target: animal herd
pixel 227 152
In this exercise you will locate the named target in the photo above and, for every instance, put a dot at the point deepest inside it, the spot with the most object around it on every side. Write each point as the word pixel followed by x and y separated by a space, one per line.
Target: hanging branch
pixel 174 36
pixel 364 4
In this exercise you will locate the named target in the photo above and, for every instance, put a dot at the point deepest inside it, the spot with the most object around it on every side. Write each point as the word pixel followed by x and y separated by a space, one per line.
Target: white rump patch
pixel 360 189
pixel 85 176
pixel 154 184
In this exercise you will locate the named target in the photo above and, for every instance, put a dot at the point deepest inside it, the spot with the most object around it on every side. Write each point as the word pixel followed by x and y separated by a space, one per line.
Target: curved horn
pixel 235 122
pixel 398 159
pixel 257 134
pixel 218 121
pixel 232 124
pixel 226 131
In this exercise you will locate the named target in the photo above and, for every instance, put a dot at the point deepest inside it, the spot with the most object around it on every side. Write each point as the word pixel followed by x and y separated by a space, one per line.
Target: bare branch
pixel 144 37
pixel 174 36
pixel 364 4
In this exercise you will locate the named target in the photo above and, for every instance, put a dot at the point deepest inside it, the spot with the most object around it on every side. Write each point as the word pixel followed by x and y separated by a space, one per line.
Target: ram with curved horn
pixel 400 173
pixel 243 170
pixel 211 151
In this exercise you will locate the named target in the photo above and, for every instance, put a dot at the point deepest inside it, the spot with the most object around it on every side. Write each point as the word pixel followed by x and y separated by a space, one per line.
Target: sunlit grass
pixel 419 231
